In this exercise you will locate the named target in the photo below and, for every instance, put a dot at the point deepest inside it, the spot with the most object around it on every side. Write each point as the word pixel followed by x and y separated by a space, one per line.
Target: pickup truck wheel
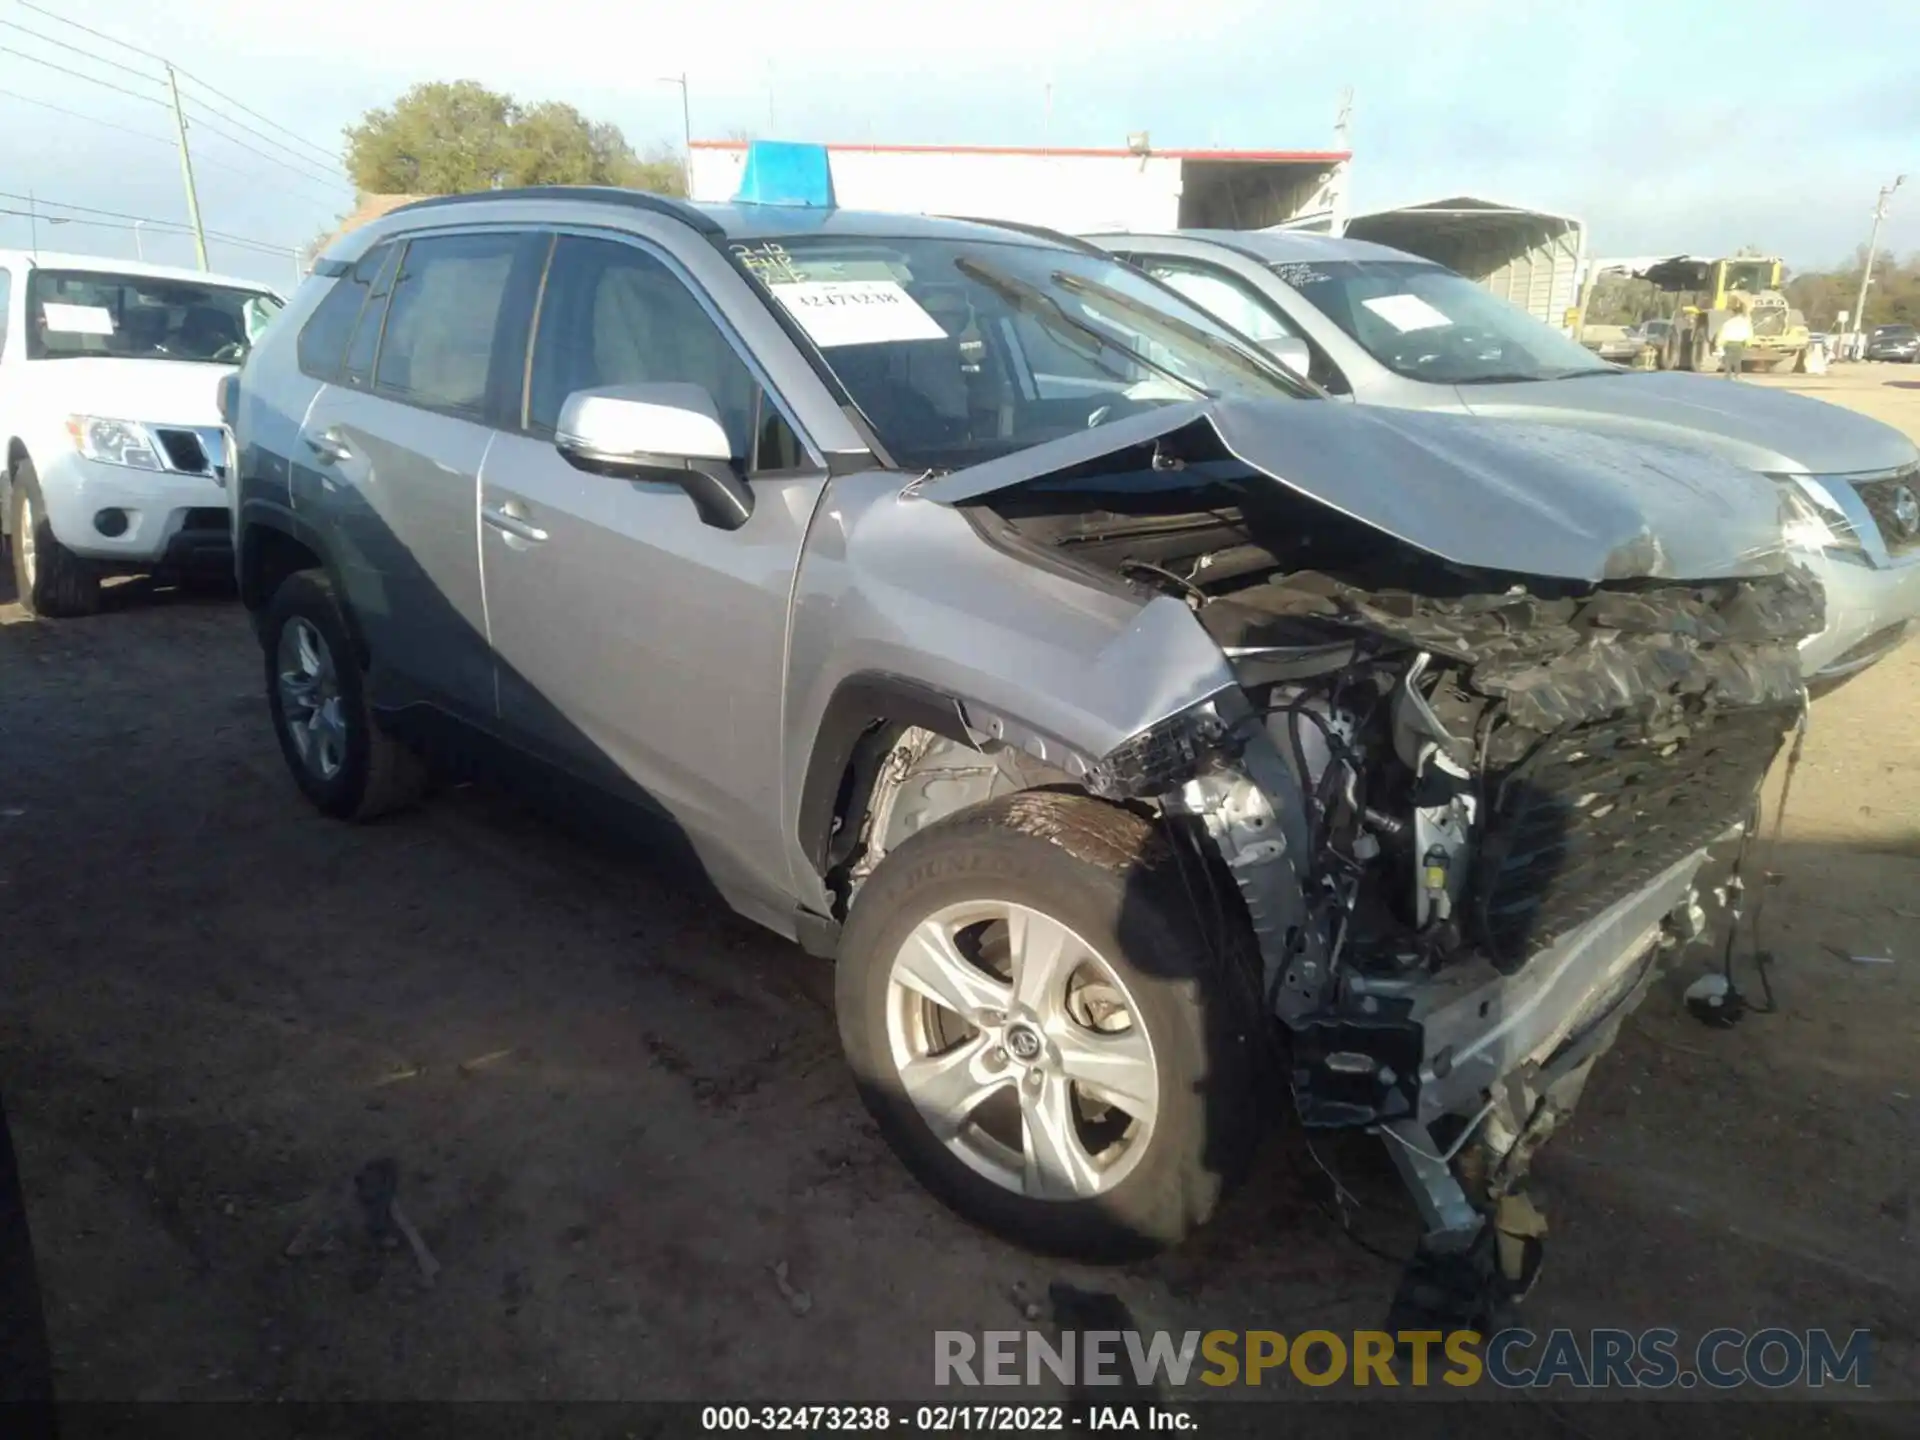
pixel 346 765
pixel 1034 1019
pixel 49 580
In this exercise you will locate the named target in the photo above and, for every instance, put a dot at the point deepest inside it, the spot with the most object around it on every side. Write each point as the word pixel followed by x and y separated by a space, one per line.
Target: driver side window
pixel 613 314
pixel 1232 301
pixel 1242 307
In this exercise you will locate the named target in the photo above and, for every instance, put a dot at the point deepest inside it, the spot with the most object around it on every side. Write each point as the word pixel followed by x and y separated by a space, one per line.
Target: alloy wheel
pixel 310 703
pixel 25 540
pixel 1022 1050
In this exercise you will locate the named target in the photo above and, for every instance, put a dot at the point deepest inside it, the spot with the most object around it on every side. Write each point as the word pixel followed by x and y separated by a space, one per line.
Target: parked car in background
pixel 1386 328
pixel 1894 342
pixel 109 416
pixel 1617 343
pixel 990 618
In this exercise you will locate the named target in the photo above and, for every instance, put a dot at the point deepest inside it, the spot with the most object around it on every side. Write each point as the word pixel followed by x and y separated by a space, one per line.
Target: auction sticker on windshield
pixel 1406 312
pixel 78 319
pixel 856 312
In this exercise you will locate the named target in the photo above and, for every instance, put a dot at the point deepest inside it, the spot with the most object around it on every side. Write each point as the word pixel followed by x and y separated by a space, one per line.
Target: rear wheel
pixel 48 579
pixel 1032 1014
pixel 341 759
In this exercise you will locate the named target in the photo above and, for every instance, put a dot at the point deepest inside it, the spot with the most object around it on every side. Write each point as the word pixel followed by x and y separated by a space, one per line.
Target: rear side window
pixel 323 339
pixel 358 368
pixel 437 345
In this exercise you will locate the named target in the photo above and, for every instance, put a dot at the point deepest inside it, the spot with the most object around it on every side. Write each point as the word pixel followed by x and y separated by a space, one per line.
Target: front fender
pixel 1015 653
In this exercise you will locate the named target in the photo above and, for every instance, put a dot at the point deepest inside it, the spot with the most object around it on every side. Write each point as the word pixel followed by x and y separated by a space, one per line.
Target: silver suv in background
pixel 1151 743
pixel 1383 327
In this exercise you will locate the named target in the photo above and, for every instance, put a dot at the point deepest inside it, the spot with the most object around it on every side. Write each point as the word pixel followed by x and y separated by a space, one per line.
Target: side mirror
pixel 667 432
pixel 1291 351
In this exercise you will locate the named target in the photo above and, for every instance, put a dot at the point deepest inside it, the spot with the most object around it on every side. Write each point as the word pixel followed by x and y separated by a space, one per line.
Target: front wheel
pixel 344 763
pixel 1035 1019
pixel 49 580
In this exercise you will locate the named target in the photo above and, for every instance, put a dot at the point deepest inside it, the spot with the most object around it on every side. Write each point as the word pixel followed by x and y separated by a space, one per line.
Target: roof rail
pixel 1039 232
pixel 591 194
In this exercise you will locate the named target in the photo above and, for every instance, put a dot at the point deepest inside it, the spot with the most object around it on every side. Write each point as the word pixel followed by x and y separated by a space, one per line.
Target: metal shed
pixel 1531 257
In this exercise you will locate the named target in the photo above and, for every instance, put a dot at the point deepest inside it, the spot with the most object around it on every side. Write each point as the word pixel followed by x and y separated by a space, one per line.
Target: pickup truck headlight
pixel 1812 520
pixel 114 442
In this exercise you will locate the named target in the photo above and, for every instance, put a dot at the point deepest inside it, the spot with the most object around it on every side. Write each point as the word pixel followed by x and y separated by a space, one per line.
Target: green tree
pixel 450 137
pixel 1894 297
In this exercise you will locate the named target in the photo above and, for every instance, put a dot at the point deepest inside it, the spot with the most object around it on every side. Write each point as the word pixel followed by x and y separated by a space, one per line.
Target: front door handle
pixel 329 446
pixel 508 520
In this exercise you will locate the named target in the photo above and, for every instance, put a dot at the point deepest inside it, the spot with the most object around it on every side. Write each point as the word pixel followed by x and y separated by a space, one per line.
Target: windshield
pixel 1427 323
pixel 75 313
pixel 959 351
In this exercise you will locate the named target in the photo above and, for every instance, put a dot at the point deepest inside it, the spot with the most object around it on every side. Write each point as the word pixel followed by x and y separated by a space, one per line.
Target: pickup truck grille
pixel 1592 814
pixel 1894 502
pixel 192 451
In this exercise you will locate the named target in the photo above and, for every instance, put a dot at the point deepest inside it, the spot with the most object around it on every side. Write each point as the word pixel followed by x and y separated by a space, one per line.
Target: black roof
pixel 759 222
pixel 597 194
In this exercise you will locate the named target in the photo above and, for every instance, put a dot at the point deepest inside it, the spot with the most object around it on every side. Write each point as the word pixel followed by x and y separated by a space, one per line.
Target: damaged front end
pixel 1463 804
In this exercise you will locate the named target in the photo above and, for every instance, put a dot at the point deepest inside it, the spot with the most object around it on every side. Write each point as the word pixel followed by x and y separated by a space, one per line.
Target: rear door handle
pixel 329 446
pixel 508 520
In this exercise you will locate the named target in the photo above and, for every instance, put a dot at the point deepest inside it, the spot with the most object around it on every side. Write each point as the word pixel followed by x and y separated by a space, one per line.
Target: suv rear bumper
pixel 162 528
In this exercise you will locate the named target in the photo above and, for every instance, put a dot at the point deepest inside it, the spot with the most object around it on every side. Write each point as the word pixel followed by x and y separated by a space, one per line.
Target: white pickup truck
pixel 109 413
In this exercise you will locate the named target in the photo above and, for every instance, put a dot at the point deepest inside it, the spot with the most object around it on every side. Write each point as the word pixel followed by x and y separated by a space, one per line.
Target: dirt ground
pixel 623 1130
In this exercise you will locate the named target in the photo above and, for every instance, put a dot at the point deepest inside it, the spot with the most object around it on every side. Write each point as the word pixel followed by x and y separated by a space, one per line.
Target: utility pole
pixel 186 171
pixel 33 226
pixel 1866 271
pixel 139 250
pixel 686 126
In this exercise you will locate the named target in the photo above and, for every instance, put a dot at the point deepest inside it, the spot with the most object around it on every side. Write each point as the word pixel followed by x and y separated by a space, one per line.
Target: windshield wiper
pixel 1054 317
pixel 1501 377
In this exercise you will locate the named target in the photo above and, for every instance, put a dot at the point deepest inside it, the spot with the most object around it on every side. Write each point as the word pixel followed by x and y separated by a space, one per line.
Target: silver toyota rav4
pixel 1152 745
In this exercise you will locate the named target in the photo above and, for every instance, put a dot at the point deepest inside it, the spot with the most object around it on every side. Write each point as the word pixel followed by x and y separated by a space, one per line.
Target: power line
pixel 79 115
pixel 177 231
pixel 240 170
pixel 204 123
pixel 303 168
pixel 195 103
pixel 318 149
pixel 36 201
pixel 77 50
pixel 97 34
pixel 81 75
pixel 184 75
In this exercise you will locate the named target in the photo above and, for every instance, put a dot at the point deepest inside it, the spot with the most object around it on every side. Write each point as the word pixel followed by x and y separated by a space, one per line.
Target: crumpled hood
pixel 1751 425
pixel 159 392
pixel 1534 499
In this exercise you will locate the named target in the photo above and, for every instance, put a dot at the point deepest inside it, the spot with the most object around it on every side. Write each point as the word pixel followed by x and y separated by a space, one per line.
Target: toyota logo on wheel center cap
pixel 1023 1042
pixel 1906 512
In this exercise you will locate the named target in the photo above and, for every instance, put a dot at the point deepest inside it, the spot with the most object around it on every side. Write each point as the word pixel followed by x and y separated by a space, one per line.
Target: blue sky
pixel 1632 114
